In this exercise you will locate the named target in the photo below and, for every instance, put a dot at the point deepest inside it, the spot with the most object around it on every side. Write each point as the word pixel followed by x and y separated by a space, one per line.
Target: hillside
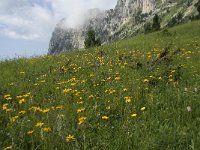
pixel 139 93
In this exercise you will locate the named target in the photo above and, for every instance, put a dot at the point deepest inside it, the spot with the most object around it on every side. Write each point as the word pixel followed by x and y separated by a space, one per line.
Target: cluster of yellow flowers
pixel 5 107
pixel 81 120
pixel 7 97
pixel 80 110
pixel 38 109
pixel 110 91
pixel 127 99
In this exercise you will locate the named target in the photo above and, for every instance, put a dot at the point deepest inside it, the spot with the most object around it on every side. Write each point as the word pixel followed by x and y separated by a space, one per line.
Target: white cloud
pixel 35 19
pixel 27 22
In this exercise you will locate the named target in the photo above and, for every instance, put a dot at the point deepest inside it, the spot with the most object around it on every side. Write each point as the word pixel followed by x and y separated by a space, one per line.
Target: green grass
pixel 145 104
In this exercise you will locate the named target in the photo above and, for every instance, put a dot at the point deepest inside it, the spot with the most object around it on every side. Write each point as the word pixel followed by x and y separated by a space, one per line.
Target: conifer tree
pixel 156 23
pixel 90 40
pixel 198 8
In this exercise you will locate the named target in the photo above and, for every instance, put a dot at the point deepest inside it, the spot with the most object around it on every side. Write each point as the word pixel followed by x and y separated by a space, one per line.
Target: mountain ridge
pixel 128 18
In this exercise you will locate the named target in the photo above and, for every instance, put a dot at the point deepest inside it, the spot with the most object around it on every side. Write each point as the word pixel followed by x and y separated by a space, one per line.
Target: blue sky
pixel 26 25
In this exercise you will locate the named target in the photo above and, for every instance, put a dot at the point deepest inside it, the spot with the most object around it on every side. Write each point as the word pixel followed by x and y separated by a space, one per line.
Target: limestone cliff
pixel 126 19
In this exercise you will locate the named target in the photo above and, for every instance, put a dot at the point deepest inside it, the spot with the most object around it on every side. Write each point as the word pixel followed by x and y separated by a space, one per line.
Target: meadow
pixel 138 93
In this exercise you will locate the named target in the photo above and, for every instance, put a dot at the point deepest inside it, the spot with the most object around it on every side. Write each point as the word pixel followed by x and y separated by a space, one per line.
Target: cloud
pixel 36 19
pixel 26 21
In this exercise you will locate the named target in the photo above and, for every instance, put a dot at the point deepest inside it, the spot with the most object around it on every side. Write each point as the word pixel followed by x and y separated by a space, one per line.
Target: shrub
pixel 90 40
pixel 156 23
pixel 147 27
pixel 198 8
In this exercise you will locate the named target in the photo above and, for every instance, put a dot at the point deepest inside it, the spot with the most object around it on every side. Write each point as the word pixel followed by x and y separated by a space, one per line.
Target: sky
pixel 26 25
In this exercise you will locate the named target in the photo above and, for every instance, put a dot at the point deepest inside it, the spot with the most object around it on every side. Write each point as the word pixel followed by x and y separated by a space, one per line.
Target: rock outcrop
pixel 126 19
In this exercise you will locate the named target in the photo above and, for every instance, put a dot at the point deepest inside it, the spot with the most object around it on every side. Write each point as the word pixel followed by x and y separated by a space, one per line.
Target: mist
pixel 74 11
pixel 33 21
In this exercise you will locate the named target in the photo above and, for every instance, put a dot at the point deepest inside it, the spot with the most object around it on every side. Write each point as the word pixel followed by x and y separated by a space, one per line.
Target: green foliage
pixel 156 23
pixel 140 93
pixel 198 8
pixel 147 27
pixel 90 40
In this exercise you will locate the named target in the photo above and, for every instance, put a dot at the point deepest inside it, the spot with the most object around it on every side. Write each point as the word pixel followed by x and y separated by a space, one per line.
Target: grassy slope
pixel 106 82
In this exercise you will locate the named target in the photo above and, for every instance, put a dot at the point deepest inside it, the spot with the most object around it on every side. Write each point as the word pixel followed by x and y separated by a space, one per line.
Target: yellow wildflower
pixel 19 97
pixel 35 109
pixel 22 101
pixel 43 81
pixel 149 56
pixel 13 119
pixel 46 129
pixel 5 106
pixel 30 132
pixel 146 81
pixel 105 117
pixel 117 78
pixel 91 96
pixel 77 93
pixel 45 110
pixel 8 148
pixel 127 99
pixel 8 110
pixel 80 110
pixel 125 89
pixel 72 79
pixel 72 84
pixel 109 78
pixel 22 112
pixel 82 120
pixel 39 124
pixel 133 115
pixel 173 71
pixel 143 108
pixel 6 96
pixel 59 107
pixel 9 98
pixel 108 107
pixel 67 90
pixel 91 75
pixel 27 94
pixel 80 102
pixel 70 138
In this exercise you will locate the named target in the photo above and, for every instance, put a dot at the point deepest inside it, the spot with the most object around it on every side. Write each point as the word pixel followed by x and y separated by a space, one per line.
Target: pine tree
pixel 198 8
pixel 90 40
pixel 156 23
pixel 147 27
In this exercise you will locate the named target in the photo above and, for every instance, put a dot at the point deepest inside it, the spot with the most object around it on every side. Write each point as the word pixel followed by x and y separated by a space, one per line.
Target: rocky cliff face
pixel 126 19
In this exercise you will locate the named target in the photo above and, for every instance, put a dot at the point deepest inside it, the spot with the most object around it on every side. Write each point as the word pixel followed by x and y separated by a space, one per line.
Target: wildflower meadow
pixel 136 93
